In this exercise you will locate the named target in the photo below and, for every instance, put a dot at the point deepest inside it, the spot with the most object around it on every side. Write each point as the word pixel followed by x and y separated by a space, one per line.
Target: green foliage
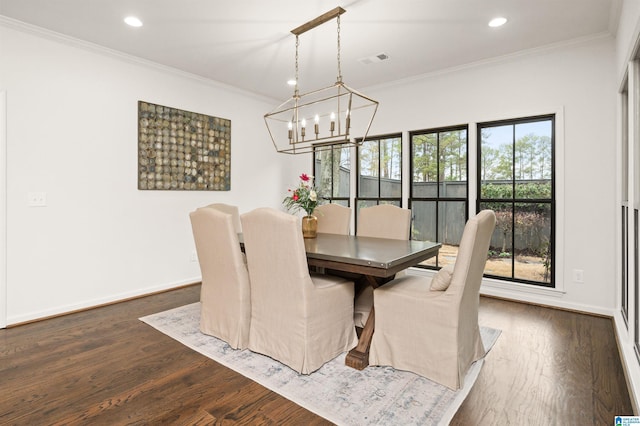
pixel 496 191
pixel 527 191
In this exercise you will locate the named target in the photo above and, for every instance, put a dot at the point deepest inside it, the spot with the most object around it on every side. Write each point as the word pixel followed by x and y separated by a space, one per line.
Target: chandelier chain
pixel 296 76
pixel 339 68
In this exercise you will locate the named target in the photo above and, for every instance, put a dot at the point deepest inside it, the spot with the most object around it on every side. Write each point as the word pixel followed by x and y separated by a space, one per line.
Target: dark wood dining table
pixel 370 261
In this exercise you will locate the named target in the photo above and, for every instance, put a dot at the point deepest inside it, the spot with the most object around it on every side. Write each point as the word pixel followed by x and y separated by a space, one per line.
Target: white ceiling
pixel 248 43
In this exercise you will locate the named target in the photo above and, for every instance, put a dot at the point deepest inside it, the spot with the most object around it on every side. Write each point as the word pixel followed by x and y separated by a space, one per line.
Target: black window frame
pixel 379 200
pixel 331 198
pixel 518 201
pixel 437 199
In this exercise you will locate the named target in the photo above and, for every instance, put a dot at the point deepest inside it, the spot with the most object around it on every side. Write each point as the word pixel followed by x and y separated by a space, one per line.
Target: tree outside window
pixel 332 172
pixel 379 172
pixel 439 189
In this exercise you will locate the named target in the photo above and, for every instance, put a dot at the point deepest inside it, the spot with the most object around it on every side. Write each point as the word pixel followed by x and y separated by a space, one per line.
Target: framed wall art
pixel 182 150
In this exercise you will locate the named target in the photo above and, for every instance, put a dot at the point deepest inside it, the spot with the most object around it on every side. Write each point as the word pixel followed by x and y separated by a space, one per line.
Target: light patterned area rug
pixel 341 394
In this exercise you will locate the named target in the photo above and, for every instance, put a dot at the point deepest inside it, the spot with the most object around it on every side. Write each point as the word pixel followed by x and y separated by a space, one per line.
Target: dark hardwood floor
pixel 105 367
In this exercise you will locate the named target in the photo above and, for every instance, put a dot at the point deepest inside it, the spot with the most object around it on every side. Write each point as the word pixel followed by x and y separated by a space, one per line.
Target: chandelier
pixel 324 117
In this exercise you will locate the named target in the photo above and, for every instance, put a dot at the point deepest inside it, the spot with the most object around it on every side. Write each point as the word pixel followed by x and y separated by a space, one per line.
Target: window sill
pixel 490 284
pixel 511 290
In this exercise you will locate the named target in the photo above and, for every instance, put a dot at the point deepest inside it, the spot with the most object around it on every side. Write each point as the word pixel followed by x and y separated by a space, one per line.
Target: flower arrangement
pixel 303 197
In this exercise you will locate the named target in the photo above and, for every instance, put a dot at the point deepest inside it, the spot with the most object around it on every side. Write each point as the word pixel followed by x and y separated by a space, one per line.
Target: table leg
pixel 358 357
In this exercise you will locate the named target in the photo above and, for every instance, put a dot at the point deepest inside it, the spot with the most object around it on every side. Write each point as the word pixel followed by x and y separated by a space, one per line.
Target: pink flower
pixel 304 177
pixel 295 197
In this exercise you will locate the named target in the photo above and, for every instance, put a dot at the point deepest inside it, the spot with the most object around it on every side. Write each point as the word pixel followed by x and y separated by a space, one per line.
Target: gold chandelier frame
pixel 319 119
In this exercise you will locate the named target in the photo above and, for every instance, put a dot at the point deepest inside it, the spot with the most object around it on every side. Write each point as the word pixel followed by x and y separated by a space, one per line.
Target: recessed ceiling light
pixel 497 22
pixel 291 82
pixel 133 21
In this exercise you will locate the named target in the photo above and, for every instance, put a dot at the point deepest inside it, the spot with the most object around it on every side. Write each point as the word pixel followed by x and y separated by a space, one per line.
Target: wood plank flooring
pixel 105 367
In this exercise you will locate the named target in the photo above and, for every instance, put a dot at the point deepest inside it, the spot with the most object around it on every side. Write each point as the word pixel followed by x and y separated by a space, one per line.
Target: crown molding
pixel 125 57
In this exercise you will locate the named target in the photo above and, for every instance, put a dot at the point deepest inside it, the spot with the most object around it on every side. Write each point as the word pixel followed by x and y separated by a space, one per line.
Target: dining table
pixel 368 261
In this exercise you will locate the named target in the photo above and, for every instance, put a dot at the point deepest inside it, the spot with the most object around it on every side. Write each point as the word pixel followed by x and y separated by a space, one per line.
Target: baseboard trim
pixel 81 307
pixel 541 300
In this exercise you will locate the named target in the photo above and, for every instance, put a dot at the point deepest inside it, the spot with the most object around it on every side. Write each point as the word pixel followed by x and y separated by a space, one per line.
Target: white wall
pixel 3 209
pixel 72 133
pixel 577 81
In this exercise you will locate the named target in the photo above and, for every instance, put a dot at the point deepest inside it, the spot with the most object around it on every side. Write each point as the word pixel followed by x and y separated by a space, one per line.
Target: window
pixel 515 179
pixel 379 172
pixel 332 172
pixel 439 189
pixel 624 196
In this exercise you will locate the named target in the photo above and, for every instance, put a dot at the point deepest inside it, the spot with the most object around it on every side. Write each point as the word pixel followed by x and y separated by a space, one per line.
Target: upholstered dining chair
pixel 299 318
pixel 381 221
pixel 225 303
pixel 430 326
pixel 384 221
pixel 333 219
pixel 229 209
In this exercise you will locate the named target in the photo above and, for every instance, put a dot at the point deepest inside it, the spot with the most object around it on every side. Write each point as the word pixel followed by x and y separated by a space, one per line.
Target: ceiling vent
pixel 374 59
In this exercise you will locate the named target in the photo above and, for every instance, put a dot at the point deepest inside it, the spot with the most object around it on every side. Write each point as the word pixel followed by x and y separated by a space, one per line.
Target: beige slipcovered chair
pixel 381 221
pixel 384 221
pixel 229 209
pixel 225 303
pixel 430 326
pixel 333 219
pixel 298 318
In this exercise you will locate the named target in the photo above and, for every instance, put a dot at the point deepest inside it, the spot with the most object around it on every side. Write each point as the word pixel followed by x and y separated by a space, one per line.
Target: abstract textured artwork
pixel 182 150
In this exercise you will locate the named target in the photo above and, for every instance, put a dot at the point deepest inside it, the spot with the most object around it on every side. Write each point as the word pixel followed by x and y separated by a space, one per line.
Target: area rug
pixel 340 394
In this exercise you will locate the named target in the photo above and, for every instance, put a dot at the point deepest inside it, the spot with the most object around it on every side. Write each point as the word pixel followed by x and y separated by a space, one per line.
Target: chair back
pixel 384 221
pixel 225 292
pixel 472 252
pixel 333 219
pixel 277 262
pixel 466 280
pixel 229 209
